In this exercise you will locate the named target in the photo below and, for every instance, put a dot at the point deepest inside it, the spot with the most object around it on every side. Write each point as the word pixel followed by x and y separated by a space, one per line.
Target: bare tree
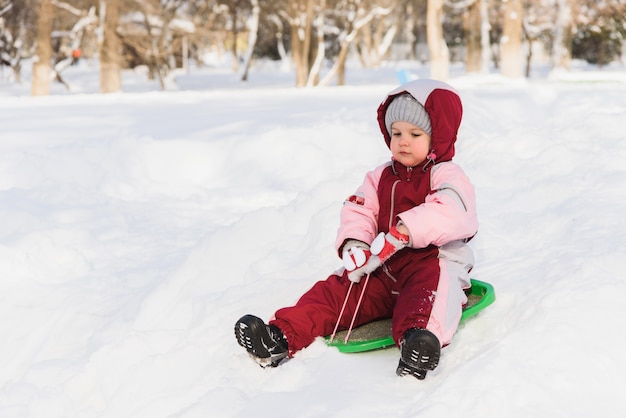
pixel 511 41
pixel 472 25
pixel 152 34
pixel 377 34
pixel 82 23
pixel 253 31
pixel 363 15
pixel 563 35
pixel 300 17
pixel 319 52
pixel 485 42
pixel 279 35
pixel 437 47
pixel 235 7
pixel 13 30
pixel 477 45
pixel 41 66
pixel 110 48
pixel 73 25
pixel 539 27
pixel 208 31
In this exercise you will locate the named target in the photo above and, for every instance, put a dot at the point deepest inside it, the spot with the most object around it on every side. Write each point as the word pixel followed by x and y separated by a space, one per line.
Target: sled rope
pixel 345 302
pixel 356 310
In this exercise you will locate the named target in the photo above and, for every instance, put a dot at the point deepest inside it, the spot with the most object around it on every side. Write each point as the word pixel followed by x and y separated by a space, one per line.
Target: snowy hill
pixel 137 227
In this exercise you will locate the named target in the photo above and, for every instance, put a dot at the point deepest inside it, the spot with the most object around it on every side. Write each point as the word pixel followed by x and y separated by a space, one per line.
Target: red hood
pixel 443 105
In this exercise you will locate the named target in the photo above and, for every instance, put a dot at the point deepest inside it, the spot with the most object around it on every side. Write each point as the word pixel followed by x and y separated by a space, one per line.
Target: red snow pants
pixel 405 294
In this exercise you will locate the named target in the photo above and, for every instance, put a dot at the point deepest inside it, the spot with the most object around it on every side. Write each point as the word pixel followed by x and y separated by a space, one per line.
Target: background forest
pixel 313 38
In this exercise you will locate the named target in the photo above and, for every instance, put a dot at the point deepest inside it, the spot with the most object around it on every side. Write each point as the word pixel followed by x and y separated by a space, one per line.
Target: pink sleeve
pixel 360 211
pixel 449 212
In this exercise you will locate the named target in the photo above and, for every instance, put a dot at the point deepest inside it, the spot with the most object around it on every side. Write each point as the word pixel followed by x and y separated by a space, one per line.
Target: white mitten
pixel 355 256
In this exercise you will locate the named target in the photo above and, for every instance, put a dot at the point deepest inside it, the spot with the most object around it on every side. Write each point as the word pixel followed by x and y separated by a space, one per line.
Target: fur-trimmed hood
pixel 443 105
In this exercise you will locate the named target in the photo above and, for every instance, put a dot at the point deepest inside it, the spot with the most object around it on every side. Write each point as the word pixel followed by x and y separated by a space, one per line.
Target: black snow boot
pixel 419 352
pixel 266 344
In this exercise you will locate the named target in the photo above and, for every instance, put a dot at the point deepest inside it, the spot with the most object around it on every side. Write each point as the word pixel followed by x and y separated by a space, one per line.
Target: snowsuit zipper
pixel 393 195
pixel 409 175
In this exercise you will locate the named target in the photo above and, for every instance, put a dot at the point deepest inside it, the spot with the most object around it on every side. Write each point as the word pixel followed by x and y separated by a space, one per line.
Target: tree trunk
pixel 375 43
pixel 529 58
pixel 110 59
pixel 316 67
pixel 383 41
pixel 473 35
pixel 307 41
pixel 484 37
pixel 339 68
pixel 365 48
pixel 280 46
pixel 296 43
pixel 235 32
pixel 301 21
pixel 562 51
pixel 41 66
pixel 511 41
pixel 297 55
pixel 437 47
pixel 409 32
pixel 253 28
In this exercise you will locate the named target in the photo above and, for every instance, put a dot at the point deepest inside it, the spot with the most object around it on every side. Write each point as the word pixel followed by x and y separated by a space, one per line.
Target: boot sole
pixel 419 355
pixel 251 333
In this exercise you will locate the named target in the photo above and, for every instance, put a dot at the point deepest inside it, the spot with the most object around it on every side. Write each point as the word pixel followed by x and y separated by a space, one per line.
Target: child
pixel 405 230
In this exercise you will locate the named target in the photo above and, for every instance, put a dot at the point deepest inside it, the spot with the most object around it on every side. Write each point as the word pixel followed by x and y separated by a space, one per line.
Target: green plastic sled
pixel 377 334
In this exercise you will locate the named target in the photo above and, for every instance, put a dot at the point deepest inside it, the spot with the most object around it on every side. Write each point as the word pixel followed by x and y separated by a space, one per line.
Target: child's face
pixel 409 144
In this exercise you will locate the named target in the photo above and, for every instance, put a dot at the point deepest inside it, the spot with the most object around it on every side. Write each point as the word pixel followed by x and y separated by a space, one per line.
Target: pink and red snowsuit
pixel 421 286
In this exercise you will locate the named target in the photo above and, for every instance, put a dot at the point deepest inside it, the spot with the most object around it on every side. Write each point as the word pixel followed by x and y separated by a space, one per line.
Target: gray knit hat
pixel 404 107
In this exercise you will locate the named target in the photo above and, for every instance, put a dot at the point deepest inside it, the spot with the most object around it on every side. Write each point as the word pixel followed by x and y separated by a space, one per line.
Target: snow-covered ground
pixel 136 228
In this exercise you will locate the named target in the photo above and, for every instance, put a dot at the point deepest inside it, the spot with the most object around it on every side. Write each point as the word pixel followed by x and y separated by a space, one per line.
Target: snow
pixel 138 227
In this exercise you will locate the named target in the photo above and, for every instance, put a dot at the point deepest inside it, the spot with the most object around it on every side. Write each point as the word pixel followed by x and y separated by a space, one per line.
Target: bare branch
pixel 6 8
pixel 460 5
pixel 69 8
